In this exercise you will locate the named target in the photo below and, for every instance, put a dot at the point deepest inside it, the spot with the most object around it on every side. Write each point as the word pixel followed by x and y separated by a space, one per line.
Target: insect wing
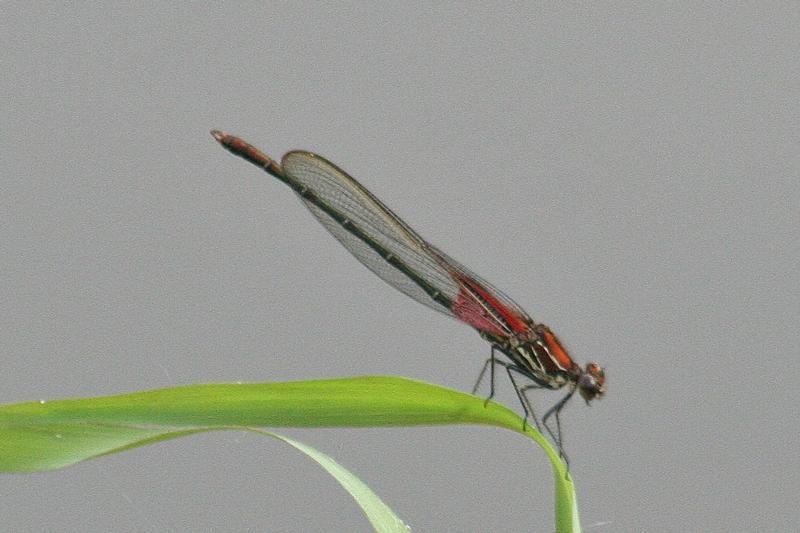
pixel 396 253
pixel 486 307
pixel 349 198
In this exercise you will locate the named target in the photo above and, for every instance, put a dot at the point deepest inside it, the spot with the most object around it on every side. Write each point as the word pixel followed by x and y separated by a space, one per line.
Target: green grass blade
pixel 381 517
pixel 39 436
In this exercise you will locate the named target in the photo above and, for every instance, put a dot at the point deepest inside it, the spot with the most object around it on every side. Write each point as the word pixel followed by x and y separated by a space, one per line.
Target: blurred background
pixel 628 174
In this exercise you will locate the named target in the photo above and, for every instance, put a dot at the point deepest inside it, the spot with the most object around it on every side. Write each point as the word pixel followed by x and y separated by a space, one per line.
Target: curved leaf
pixel 46 435
pixel 379 514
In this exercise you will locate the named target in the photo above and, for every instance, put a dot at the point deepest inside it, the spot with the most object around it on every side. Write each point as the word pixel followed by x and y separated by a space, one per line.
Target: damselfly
pixel 398 255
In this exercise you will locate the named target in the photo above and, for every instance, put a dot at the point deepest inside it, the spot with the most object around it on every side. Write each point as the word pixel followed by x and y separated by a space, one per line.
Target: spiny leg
pixel 490 364
pixel 556 410
pixel 523 393
pixel 520 391
pixel 523 398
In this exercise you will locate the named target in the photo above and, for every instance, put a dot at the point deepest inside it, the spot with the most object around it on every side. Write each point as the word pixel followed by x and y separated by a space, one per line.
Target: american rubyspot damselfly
pixel 398 255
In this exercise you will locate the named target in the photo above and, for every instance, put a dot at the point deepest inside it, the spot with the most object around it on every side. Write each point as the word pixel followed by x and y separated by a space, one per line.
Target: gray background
pixel 628 174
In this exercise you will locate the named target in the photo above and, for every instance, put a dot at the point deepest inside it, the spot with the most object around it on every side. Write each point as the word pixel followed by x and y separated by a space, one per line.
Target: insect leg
pixel 490 363
pixel 556 410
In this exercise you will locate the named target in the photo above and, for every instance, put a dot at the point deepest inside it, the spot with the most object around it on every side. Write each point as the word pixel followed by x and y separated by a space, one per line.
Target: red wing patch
pixel 480 309
pixel 473 313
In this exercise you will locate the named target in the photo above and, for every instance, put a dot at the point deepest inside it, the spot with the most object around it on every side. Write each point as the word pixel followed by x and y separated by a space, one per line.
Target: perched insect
pixel 398 255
